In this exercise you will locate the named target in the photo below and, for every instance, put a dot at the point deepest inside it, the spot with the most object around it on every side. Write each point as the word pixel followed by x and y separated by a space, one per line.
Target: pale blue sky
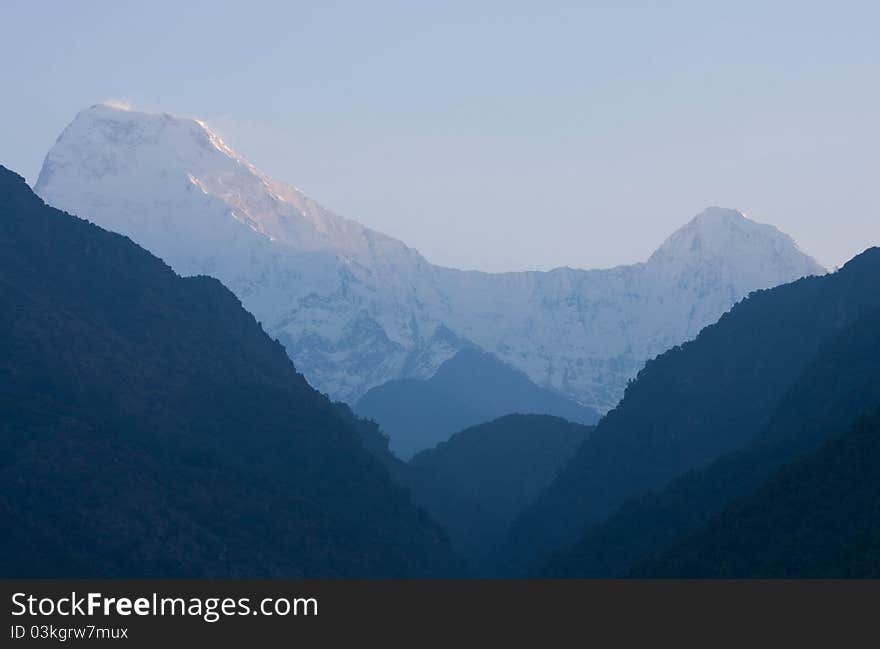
pixel 495 135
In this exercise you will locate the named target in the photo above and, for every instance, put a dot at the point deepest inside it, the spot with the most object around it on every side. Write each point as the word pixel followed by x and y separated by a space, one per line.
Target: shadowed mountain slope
pixel 841 383
pixel 817 517
pixel 695 403
pixel 150 428
pixel 504 464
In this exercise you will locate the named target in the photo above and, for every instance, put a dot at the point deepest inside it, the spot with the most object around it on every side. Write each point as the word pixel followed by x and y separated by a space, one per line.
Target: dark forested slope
pixel 504 464
pixel 841 383
pixel 817 517
pixel 149 427
pixel 696 402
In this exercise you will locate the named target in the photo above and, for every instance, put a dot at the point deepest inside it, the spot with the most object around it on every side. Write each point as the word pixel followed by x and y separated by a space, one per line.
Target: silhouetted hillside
pixel 505 463
pixel 471 388
pixel 475 483
pixel 840 384
pixel 149 427
pixel 696 402
pixel 483 476
pixel 818 517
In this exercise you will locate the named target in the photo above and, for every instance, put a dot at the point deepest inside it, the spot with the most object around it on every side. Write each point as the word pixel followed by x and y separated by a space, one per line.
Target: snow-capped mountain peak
pixel 721 231
pixel 356 308
pixel 137 158
pixel 733 248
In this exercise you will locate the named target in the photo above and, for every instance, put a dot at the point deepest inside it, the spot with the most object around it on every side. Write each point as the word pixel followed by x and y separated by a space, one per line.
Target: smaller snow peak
pixel 723 237
pixel 712 231
pixel 717 227
pixel 714 216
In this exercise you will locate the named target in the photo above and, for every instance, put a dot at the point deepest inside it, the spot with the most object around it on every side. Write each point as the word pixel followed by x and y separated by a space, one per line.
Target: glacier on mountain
pixel 356 308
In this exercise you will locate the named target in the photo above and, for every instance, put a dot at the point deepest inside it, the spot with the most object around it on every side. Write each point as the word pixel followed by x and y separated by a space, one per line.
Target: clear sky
pixel 495 135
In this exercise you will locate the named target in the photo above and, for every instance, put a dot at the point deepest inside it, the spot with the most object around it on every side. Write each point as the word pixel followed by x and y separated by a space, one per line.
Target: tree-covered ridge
pixel 504 464
pixel 818 517
pixel 475 483
pixel 696 402
pixel 840 383
pixel 495 470
pixel 150 427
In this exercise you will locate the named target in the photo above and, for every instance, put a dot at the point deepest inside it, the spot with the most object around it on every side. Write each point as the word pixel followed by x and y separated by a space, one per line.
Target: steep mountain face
pixel 355 308
pixel 817 517
pixel 150 428
pixel 840 384
pixel 696 402
pixel 471 388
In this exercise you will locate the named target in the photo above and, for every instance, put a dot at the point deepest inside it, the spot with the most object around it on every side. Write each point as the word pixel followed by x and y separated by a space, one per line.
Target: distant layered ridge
pixel 471 388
